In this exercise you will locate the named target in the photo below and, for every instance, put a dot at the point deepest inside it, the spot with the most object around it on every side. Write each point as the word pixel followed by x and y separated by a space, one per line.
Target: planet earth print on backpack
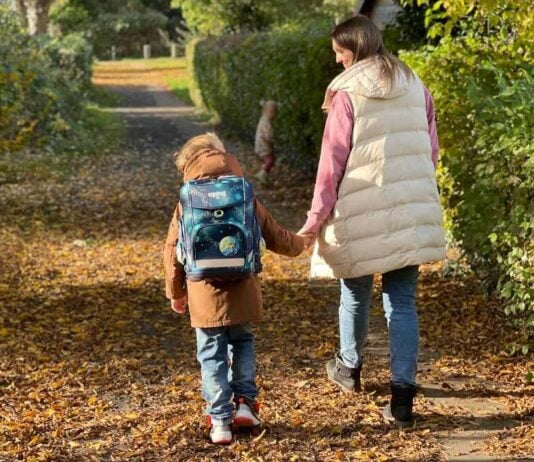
pixel 220 237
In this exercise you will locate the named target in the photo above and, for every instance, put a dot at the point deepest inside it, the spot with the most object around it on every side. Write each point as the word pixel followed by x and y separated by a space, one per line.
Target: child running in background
pixel 221 310
pixel 264 144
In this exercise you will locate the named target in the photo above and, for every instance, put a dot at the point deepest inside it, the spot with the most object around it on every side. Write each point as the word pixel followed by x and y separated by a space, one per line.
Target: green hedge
pixel 233 73
pixel 44 84
pixel 483 95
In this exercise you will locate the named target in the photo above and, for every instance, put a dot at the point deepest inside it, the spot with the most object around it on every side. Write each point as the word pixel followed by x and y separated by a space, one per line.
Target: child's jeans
pixel 228 366
pixel 398 298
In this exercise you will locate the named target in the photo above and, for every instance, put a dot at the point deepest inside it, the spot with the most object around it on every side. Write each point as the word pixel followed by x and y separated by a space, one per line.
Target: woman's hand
pixel 309 238
pixel 179 305
pixel 328 97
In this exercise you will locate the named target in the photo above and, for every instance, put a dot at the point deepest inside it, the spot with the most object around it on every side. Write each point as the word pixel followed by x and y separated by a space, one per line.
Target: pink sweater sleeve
pixel 432 129
pixel 335 150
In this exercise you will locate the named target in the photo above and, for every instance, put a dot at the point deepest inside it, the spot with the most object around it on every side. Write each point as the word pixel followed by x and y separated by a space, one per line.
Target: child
pixel 222 310
pixel 265 139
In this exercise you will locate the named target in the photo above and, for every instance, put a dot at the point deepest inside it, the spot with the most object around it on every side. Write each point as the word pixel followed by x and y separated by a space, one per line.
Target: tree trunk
pixel 17 6
pixel 37 15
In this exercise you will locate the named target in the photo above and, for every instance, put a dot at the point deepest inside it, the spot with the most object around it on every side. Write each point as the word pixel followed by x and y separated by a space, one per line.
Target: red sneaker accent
pixel 243 422
pixel 248 417
pixel 254 405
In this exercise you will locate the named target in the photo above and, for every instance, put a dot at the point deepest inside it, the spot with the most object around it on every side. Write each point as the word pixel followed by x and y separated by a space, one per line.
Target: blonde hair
pixel 361 36
pixel 196 146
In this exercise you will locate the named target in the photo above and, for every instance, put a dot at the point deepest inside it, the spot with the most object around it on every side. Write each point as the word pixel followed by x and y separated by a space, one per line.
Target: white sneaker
pixel 221 434
pixel 246 413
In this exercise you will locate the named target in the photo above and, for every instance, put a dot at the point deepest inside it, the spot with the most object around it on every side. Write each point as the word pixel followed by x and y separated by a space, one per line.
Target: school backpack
pixel 220 236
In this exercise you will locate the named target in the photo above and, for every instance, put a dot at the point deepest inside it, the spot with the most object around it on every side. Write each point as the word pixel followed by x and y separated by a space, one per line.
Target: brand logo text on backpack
pixel 217 194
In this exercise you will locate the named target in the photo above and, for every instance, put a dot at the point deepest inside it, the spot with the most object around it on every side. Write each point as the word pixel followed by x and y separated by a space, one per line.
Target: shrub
pixel 70 17
pixel 483 92
pixel 43 85
pixel 233 73
pixel 74 56
pixel 129 31
pixel 126 25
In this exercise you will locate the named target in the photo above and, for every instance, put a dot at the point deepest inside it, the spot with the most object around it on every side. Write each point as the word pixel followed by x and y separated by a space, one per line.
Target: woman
pixel 376 207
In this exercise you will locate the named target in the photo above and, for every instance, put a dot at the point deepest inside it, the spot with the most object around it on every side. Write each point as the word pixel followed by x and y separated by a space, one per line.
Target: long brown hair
pixel 361 36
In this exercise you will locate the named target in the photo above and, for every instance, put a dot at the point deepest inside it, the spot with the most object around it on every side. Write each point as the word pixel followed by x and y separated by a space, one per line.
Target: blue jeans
pixel 398 295
pixel 228 367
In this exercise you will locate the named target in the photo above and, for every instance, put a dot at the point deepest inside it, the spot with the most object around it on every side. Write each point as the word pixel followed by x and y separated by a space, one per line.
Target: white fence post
pixel 146 51
pixel 114 53
pixel 174 50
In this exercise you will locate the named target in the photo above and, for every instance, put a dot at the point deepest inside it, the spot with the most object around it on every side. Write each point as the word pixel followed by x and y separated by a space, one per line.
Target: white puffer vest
pixel 388 214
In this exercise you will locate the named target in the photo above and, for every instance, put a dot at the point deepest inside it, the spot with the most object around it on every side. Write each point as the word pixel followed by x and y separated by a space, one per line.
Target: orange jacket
pixel 223 303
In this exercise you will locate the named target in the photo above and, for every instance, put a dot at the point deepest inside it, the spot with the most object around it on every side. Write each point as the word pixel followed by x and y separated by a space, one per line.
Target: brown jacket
pixel 215 304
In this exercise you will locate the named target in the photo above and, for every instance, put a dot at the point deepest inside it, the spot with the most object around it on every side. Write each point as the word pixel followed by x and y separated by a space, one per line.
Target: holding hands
pixel 309 238
pixel 179 305
pixel 328 98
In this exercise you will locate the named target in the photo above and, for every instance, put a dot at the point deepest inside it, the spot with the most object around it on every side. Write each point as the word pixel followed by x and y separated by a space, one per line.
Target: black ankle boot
pixel 348 378
pixel 399 410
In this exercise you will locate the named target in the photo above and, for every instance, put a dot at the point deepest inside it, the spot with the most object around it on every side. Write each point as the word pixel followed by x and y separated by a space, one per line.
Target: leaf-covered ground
pixel 95 366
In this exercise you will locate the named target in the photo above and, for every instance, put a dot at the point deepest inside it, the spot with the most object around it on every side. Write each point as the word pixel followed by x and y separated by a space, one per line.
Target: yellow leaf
pixel 296 420
pixel 160 440
pixel 36 440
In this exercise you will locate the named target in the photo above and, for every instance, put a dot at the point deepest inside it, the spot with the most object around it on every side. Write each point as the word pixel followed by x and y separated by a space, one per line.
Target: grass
pixel 139 72
pixel 153 63
pixel 171 73
pixel 102 97
pixel 180 87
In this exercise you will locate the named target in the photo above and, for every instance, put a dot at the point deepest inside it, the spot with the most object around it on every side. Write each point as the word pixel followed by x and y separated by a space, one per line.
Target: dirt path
pixel 96 367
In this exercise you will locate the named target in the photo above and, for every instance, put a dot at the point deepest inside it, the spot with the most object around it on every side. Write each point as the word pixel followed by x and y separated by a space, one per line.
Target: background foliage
pixel 480 73
pixel 233 73
pixel 215 17
pixel 127 25
pixel 44 84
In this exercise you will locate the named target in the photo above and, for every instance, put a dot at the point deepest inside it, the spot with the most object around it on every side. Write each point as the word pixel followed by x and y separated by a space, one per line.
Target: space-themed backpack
pixel 220 236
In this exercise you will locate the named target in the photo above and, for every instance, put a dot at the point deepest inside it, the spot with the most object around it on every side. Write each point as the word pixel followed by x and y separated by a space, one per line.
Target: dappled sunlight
pixel 97 366
pixel 138 72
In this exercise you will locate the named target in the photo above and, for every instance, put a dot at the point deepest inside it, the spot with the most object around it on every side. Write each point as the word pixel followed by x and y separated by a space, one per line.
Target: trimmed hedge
pixel 233 73
pixel 483 96
pixel 44 85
